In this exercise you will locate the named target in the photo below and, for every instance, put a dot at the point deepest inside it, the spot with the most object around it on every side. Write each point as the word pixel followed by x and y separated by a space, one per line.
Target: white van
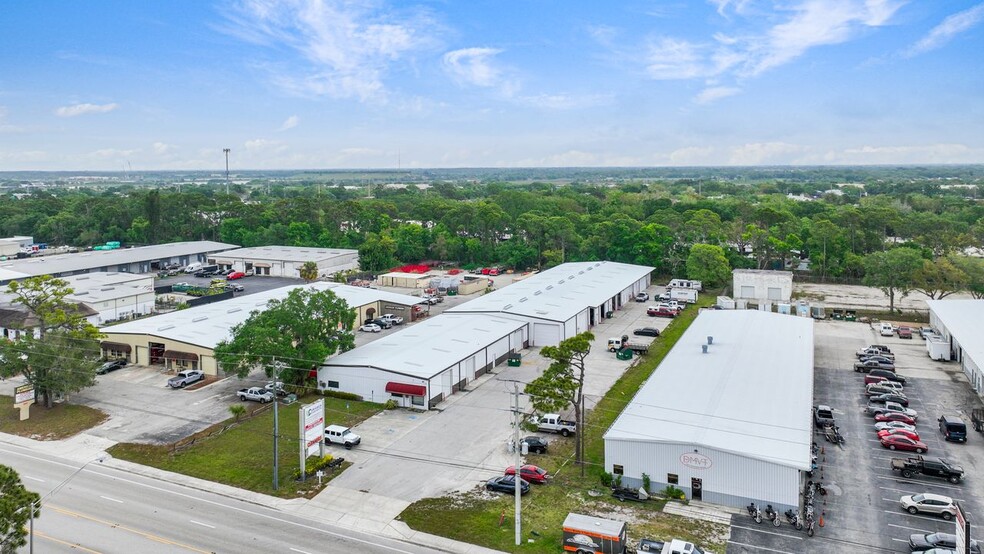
pixel 886 329
pixel 193 267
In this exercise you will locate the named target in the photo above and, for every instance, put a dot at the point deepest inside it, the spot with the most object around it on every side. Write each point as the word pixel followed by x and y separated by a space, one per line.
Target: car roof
pixel 932 496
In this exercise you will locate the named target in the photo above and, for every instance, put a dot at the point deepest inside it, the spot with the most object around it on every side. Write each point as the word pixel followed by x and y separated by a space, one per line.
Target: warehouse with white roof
pixel 186 339
pixel 143 259
pixel 286 261
pixel 564 301
pixel 731 425
pixel 422 365
pixel 958 324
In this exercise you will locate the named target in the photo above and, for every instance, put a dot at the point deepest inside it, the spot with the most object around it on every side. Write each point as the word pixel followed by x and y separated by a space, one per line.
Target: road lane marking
pixel 912 482
pixel 144 534
pixel 301 551
pixel 918 515
pixel 768 532
pixel 202 524
pixel 33 478
pixel 911 528
pixel 756 547
pixel 111 499
pixel 72 545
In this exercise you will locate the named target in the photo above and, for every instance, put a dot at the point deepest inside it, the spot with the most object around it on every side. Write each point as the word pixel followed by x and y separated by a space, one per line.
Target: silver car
pixel 928 503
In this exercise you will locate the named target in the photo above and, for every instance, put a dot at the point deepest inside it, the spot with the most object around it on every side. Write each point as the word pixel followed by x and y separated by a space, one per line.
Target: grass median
pixel 61 421
pixel 240 453
pixel 486 519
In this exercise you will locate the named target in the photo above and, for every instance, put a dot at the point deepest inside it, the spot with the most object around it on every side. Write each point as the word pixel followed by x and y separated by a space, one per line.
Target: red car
pixel 235 275
pixel 531 473
pixel 905 332
pixel 898 442
pixel 899 433
pixel 895 416
pixel 661 311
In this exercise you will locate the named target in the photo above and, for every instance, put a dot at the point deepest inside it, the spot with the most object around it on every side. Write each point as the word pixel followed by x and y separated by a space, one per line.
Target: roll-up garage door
pixel 546 334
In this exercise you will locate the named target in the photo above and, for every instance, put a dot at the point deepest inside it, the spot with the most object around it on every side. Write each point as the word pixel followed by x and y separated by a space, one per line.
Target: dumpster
pixel 515 360
pixel 624 354
pixel 609 314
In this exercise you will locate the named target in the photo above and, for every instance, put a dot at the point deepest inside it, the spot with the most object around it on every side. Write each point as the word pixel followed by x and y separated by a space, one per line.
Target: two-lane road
pixel 98 509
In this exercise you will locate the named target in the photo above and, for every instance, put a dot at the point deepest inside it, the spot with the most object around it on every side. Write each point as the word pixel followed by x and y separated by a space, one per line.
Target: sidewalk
pixel 84 448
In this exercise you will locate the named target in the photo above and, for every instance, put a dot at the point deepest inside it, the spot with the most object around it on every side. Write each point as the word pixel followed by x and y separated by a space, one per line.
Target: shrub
pixel 606 479
pixel 645 482
pixel 390 404
pixel 672 492
pixel 617 482
pixel 237 411
pixel 342 395
pixel 311 465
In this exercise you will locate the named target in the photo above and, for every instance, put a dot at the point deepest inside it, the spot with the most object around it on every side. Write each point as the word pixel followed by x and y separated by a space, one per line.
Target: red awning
pixel 403 388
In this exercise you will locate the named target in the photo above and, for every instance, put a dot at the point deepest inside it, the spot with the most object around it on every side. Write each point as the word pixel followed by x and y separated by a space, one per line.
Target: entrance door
pixel 696 489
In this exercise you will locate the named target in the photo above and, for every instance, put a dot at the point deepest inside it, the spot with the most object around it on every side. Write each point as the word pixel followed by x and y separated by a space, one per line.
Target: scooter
pixel 794 519
pixel 754 512
pixel 772 515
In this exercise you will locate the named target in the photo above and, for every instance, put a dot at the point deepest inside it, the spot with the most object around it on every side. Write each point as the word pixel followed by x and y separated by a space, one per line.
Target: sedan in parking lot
pixel 890 397
pixel 235 275
pixel 507 484
pixel 904 332
pixel 929 503
pixel 661 311
pixel 907 433
pixel 883 425
pixel 887 374
pixel 647 332
pixel 531 473
pixel 921 542
pixel 370 328
pixel 111 365
pixel 898 442
pixel 894 416
pixel 868 365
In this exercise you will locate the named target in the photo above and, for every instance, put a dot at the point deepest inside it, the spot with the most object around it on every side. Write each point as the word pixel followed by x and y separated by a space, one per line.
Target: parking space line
pixel 767 532
pixel 911 528
pixel 909 492
pixel 756 547
pixel 907 481
pixel 920 516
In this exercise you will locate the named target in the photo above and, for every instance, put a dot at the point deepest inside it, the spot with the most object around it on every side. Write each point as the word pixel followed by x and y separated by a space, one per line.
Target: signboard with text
pixel 312 425
pixel 962 530
pixel 24 393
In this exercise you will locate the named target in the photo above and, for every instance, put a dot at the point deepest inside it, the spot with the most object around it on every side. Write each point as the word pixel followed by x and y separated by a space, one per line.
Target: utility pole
pixel 227 150
pixel 518 492
pixel 277 367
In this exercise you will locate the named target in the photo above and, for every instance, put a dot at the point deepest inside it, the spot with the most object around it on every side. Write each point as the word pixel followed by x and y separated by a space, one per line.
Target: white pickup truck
pixel 553 424
pixel 256 394
pixel 675 546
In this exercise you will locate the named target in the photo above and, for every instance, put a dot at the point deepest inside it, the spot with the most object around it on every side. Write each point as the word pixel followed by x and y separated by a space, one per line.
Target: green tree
pixel 939 278
pixel 892 271
pixel 708 264
pixel 57 349
pixel 309 271
pixel 562 384
pixel 973 269
pixel 301 330
pixel 377 253
pixel 16 503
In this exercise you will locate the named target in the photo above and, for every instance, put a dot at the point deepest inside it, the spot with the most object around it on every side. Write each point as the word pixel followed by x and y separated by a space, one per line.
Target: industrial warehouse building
pixel 958 324
pixel 761 287
pixel 565 300
pixel 422 365
pixel 405 280
pixel 143 259
pixel 729 426
pixel 286 261
pixel 185 339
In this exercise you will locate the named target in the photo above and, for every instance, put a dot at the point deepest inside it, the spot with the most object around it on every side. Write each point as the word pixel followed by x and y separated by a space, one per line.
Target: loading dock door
pixel 545 334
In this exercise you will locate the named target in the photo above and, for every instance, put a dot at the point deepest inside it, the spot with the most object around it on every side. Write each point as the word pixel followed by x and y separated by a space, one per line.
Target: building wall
pixel 762 286
pixel 971 367
pixel 730 479
pixel 140 351
pixel 122 308
pixel 369 383
pixel 289 268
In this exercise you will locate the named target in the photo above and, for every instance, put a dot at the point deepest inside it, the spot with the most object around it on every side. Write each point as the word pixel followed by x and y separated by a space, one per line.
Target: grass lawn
pixel 477 515
pixel 63 420
pixel 242 456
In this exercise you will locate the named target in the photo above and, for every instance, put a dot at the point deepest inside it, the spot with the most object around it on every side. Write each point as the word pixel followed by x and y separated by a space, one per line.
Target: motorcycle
pixel 772 515
pixel 810 529
pixel 754 512
pixel 794 519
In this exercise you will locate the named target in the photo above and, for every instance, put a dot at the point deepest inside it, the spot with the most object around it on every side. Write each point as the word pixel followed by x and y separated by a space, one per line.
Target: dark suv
pixel 953 428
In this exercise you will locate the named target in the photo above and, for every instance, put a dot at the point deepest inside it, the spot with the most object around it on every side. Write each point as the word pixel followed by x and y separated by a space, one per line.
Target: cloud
pixel 949 28
pixel 763 153
pixel 82 109
pixel 346 47
pixel 473 66
pixel 162 148
pixel 290 123
pixel 565 101
pixel 676 59
pixel 712 94
pixel 264 145
pixel 4 126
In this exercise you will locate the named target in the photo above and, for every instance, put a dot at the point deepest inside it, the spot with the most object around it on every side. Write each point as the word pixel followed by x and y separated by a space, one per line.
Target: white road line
pixel 908 481
pixel 911 528
pixel 917 515
pixel 111 499
pixel 33 478
pixel 301 551
pixel 909 492
pixel 202 524
pixel 768 532
pixel 206 399
pixel 756 547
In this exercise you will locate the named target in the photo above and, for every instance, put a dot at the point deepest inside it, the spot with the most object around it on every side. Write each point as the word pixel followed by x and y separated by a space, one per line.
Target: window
pixel 332 384
pixel 617 469
pixel 417 400
pixel 775 293
pixel 747 292
pixel 673 478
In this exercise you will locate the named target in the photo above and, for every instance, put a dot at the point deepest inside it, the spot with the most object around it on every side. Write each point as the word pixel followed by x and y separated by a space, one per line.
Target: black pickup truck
pixel 910 467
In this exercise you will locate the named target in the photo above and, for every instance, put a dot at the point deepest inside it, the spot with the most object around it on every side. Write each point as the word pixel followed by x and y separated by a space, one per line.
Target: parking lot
pixel 251 284
pixel 861 510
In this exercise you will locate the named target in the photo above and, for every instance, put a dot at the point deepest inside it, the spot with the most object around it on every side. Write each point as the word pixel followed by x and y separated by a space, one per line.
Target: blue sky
pixel 489 83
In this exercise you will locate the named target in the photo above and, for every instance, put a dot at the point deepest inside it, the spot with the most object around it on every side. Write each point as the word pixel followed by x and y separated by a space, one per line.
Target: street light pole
pixel 227 150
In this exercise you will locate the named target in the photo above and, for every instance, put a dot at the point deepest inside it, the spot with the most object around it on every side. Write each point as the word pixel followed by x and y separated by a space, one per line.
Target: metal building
pixel 958 324
pixel 286 261
pixel 731 425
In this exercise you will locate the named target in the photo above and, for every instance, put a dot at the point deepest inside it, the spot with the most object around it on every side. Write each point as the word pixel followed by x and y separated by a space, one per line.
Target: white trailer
pixel 685 284
pixel 684 295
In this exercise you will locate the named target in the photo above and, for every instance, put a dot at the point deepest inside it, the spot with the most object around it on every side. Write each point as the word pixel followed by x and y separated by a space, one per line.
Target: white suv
pixel 338 434
pixel 929 503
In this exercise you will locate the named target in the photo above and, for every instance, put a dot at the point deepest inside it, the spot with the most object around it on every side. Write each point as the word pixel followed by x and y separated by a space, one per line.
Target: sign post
pixel 23 398
pixel 962 530
pixel 312 427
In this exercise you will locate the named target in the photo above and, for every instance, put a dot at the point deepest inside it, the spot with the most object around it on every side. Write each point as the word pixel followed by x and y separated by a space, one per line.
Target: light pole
pixel 227 150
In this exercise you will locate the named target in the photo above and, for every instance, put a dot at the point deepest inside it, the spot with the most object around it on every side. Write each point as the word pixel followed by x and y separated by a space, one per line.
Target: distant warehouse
pixel 730 425
pixel 286 261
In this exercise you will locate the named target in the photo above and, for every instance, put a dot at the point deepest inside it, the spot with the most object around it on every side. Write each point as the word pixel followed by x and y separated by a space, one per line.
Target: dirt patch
pixel 208 380
pixel 857 297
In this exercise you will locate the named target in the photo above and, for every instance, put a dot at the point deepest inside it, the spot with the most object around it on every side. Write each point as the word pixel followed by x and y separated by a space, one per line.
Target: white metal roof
pixel 428 347
pixel 965 320
pixel 286 253
pixel 405 275
pixel 559 293
pixel 210 324
pixel 751 393
pixel 100 286
pixel 95 259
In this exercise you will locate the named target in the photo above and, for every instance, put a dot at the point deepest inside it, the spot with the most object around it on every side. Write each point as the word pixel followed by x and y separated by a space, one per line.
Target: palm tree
pixel 309 271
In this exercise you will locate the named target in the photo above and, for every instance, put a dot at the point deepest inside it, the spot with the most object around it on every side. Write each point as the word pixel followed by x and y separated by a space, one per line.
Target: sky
pixel 292 84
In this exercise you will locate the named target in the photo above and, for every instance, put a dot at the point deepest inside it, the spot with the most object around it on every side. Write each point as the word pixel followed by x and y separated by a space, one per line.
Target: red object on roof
pixel 404 388
pixel 454 271
pixel 412 268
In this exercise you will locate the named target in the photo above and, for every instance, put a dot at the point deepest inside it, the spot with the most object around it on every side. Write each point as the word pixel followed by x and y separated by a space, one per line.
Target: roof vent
pixel 199 318
pixel 165 328
pixel 710 339
pixel 507 306
pixel 537 293
pixel 703 348
pixel 233 310
pixel 523 299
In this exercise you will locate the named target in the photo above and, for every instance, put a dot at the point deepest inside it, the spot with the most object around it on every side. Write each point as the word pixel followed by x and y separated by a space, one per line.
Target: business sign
pixel 24 393
pixel 962 530
pixel 312 425
pixel 695 461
